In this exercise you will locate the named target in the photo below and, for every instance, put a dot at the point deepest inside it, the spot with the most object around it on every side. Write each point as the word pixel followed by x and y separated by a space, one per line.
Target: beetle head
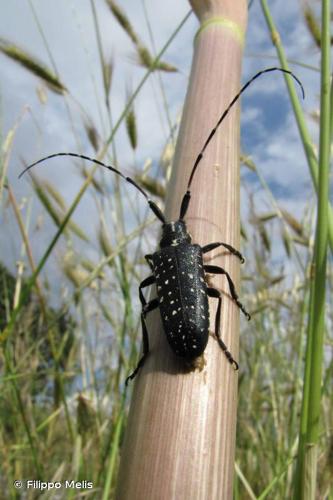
pixel 174 233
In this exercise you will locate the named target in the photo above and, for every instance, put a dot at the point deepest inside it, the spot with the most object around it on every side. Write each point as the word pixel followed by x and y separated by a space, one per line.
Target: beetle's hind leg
pixel 212 292
pixel 146 308
pixel 220 270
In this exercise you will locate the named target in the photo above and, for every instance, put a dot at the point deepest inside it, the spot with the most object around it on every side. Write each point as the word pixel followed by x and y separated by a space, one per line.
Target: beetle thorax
pixel 174 233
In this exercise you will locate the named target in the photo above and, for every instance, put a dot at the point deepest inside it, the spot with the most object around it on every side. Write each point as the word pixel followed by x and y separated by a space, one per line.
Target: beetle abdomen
pixel 181 289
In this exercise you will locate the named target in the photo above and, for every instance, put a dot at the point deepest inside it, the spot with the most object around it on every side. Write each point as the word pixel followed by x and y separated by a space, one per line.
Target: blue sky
pixel 269 132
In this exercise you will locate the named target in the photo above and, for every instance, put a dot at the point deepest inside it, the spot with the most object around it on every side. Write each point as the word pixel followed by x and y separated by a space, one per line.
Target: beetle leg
pixel 212 292
pixel 149 259
pixel 220 270
pixel 212 246
pixel 150 306
pixel 148 281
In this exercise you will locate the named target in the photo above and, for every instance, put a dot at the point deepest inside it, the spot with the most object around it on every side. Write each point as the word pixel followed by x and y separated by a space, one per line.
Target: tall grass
pixel 63 404
pixel 311 427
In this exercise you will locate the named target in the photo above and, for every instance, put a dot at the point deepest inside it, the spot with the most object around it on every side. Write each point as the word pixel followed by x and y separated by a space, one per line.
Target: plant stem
pixel 180 437
pixel 299 115
pixel 311 408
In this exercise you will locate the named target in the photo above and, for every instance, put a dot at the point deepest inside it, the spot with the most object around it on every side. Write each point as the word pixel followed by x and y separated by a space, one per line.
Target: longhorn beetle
pixel 178 270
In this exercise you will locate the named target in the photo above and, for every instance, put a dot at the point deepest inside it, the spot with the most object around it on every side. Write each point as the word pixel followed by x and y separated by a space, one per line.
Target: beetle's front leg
pixel 149 259
pixel 212 246
pixel 148 281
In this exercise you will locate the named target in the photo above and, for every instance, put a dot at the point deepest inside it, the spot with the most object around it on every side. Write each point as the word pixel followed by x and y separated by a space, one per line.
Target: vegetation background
pixel 69 276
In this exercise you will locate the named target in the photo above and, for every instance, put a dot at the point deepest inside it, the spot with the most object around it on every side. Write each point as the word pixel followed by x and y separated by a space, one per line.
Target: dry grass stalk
pixel 193 415
pixel 146 59
pixel 131 128
pixel 312 25
pixel 32 64
pixel 151 185
pixel 123 20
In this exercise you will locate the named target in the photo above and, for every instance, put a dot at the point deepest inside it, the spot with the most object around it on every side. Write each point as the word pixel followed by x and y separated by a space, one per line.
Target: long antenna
pixel 151 204
pixel 187 196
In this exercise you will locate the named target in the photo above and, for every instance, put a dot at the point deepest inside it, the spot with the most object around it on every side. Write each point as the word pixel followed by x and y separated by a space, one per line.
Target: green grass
pixel 63 406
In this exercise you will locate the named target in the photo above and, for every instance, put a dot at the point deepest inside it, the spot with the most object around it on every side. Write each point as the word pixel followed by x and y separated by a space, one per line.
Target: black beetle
pixel 178 270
